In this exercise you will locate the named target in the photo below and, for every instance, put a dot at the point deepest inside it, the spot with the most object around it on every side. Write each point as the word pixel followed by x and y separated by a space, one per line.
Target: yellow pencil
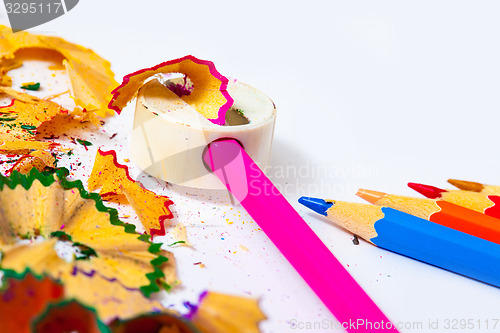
pixel 475 187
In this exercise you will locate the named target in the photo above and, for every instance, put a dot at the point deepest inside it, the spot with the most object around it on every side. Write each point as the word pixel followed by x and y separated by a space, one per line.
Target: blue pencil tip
pixel 318 205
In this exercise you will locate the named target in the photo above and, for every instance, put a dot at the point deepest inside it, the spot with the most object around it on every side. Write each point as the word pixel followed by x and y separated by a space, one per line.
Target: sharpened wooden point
pixel 466 185
pixel 370 196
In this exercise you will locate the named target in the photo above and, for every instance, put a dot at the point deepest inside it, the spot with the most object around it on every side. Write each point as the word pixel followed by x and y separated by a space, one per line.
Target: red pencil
pixel 486 204
pixel 441 212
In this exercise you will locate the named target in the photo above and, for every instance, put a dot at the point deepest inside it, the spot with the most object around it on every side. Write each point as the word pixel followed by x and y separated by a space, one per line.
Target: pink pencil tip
pixel 427 190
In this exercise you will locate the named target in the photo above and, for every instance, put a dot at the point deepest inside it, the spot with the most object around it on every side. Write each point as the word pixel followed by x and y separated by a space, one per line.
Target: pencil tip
pixel 428 191
pixel 370 196
pixel 465 185
pixel 318 205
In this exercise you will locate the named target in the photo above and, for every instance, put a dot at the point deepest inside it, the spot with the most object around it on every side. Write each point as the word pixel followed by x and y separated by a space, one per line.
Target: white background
pixel 370 94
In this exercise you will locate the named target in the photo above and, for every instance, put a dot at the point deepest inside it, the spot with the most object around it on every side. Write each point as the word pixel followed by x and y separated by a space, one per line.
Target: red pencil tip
pixel 427 190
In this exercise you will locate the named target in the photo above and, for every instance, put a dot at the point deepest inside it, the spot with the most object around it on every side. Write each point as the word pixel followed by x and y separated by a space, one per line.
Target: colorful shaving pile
pixel 69 263
pixel 30 303
pixel 116 184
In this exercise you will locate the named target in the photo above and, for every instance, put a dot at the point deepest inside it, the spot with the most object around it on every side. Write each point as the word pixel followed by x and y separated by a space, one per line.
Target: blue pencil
pixel 415 238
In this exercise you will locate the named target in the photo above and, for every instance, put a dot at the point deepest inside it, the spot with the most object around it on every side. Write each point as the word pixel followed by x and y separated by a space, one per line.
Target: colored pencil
pixel 486 204
pixel 310 257
pixel 475 187
pixel 415 237
pixel 441 212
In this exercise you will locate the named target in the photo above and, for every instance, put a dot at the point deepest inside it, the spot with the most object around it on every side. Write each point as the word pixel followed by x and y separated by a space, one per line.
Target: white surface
pixel 369 94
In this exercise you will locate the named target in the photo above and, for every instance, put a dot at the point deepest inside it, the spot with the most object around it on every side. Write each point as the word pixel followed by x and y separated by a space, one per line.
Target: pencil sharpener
pixel 169 136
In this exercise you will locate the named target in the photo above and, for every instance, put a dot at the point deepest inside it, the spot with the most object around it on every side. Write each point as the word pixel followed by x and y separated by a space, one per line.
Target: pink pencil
pixel 342 295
